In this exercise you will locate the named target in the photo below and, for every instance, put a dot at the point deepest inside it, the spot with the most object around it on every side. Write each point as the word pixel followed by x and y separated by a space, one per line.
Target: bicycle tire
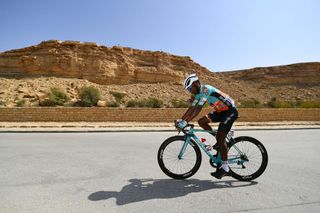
pixel 167 171
pixel 264 156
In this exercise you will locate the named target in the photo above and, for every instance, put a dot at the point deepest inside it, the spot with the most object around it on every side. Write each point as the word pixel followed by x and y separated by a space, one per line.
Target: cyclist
pixel 224 111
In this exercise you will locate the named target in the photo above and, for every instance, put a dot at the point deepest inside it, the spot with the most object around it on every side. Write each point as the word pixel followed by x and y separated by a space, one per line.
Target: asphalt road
pixel 118 172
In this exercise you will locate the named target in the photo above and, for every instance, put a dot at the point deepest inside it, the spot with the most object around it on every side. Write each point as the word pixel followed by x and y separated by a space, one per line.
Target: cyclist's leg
pixel 224 127
pixel 204 123
pixel 211 117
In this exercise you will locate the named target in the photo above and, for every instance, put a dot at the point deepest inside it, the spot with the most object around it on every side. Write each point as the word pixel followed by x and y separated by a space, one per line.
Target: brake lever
pixel 178 129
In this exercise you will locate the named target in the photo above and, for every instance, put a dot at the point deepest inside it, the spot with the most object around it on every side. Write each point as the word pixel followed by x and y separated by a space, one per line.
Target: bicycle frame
pixel 215 159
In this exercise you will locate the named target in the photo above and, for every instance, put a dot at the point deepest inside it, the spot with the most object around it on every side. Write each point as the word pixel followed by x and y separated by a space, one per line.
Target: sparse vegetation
pixel 50 102
pixel 252 103
pixel 154 102
pixel 58 96
pixel 89 96
pixel 308 104
pixel 21 103
pixel 55 97
pixel 274 103
pixel 47 103
pixel 133 103
pixel 136 103
pixel 151 102
pixel 136 95
pixel 180 103
pixel 118 96
pixel 113 104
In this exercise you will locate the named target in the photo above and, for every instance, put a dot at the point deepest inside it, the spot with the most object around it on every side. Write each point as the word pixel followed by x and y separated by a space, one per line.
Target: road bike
pixel 180 157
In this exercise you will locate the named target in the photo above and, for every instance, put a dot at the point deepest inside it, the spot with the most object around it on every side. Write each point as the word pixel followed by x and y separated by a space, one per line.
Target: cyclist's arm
pixel 196 110
pixel 188 113
pixel 192 112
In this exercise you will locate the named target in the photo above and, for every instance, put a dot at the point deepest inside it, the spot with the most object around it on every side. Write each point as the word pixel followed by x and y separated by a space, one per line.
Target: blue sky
pixel 220 35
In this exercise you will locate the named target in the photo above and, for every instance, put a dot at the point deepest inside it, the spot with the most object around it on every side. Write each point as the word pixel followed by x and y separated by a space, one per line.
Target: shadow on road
pixel 147 189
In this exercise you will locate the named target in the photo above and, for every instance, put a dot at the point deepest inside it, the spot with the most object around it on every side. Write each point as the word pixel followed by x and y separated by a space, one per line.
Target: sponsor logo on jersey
pixel 206 91
pixel 202 101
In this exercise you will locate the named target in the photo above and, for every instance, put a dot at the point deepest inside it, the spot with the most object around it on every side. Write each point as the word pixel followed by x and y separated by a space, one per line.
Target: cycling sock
pixel 225 166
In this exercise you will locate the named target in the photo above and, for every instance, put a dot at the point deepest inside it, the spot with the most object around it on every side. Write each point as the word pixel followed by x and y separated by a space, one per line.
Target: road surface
pixel 118 172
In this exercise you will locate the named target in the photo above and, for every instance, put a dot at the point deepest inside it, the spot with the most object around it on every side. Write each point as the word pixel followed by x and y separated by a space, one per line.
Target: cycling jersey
pixel 217 99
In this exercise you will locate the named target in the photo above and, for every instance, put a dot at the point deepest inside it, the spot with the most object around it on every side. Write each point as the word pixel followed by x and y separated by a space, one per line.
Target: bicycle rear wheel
pixel 249 158
pixel 170 163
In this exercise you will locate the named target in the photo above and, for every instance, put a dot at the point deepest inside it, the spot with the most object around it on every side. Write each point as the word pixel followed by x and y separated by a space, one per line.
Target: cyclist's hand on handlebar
pixel 176 122
pixel 180 124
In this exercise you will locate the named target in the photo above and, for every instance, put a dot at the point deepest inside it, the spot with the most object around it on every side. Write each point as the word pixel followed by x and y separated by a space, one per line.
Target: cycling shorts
pixel 226 119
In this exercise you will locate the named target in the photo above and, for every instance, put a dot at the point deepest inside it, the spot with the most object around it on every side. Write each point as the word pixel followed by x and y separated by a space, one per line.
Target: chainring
pixel 214 165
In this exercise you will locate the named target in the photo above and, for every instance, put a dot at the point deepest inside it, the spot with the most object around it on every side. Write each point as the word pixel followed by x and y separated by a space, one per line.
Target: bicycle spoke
pixel 254 154
pixel 176 165
pixel 251 152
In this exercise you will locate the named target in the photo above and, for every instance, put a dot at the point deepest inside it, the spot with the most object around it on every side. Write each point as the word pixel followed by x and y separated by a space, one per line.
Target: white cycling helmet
pixel 189 80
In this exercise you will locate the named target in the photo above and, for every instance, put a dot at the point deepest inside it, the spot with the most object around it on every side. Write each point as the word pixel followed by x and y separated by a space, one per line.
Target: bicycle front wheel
pixel 172 165
pixel 248 158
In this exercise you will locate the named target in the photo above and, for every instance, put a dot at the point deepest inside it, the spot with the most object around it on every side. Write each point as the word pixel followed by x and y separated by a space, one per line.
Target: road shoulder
pixel 138 126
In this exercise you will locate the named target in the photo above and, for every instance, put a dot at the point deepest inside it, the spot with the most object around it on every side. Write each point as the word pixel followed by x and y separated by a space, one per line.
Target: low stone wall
pixel 95 114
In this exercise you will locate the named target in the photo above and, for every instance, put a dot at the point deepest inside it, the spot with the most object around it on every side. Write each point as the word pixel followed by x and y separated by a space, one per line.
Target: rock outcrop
pixel 98 64
pixel 29 73
pixel 300 74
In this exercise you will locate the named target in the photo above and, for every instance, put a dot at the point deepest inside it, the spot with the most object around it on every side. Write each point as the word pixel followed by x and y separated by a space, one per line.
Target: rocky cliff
pixel 301 74
pixel 98 64
pixel 140 74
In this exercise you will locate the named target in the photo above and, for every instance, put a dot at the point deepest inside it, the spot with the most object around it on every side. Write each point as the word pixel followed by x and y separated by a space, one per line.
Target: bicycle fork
pixel 184 147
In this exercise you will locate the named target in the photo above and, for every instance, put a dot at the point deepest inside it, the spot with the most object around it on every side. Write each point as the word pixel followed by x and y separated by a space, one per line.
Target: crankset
pixel 214 165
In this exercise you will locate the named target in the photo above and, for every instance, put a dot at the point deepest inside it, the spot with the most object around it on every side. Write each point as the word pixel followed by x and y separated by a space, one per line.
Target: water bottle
pixel 206 144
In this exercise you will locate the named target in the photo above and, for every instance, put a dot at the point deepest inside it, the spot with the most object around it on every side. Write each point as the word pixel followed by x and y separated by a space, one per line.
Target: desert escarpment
pixel 98 64
pixel 300 74
pixel 71 65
